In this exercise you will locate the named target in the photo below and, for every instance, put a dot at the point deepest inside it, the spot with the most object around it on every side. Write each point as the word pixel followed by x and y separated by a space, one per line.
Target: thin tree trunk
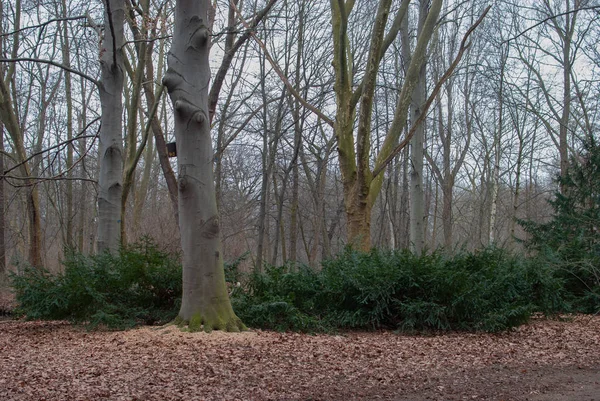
pixel 566 112
pixel 497 151
pixel 132 154
pixel 264 189
pixel 447 221
pixel 82 199
pixel 142 191
pixel 66 55
pixel 417 200
pixel 298 142
pixel 2 208
pixel 13 126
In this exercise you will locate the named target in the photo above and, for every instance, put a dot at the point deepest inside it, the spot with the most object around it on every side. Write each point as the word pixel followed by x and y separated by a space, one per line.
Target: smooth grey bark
pixel 205 303
pixel 417 197
pixel 110 149
pixel 66 55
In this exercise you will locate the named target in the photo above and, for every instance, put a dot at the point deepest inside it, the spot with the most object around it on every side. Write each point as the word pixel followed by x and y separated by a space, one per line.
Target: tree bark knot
pixel 210 228
pixel 190 110
pixel 200 34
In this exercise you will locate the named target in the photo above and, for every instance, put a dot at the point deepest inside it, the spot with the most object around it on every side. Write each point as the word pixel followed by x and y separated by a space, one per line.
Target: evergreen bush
pixel 570 241
pixel 489 290
pixel 140 284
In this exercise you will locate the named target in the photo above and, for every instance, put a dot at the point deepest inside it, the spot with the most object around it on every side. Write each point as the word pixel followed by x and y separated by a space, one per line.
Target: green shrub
pixel 488 290
pixel 140 284
pixel 570 240
pixel 280 299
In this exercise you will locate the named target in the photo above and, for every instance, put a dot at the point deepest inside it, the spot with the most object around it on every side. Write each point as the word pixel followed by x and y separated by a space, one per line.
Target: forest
pixel 315 142
pixel 281 133
pixel 379 194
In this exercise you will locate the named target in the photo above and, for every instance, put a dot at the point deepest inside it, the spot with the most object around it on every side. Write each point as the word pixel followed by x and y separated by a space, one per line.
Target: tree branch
pixel 44 24
pixel 79 136
pixel 219 78
pixel 53 63
pixel 438 86
pixel 552 17
pixel 280 73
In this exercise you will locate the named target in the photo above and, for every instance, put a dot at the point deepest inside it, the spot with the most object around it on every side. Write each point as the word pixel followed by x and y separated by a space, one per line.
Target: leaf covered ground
pixel 546 360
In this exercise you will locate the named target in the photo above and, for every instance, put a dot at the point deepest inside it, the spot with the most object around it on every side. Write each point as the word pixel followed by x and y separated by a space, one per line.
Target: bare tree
pixel 205 302
pixel 110 182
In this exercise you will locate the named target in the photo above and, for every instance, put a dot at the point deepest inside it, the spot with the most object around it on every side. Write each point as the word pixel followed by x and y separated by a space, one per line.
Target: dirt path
pixel 547 360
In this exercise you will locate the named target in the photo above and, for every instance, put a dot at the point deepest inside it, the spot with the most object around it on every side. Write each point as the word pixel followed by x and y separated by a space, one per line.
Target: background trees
pixel 297 183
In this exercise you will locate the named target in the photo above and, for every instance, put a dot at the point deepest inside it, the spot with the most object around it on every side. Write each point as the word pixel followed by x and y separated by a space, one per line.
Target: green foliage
pixel 141 284
pixel 488 290
pixel 280 300
pixel 570 241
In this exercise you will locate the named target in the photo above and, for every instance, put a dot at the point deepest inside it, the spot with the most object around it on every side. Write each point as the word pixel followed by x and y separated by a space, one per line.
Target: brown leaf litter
pixel 56 361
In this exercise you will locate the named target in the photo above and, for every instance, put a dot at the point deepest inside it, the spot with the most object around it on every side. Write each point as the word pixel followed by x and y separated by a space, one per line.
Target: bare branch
pixel 43 25
pixel 464 45
pixel 52 63
pixel 550 18
pixel 280 73
pixel 58 145
pixel 230 52
pixel 57 177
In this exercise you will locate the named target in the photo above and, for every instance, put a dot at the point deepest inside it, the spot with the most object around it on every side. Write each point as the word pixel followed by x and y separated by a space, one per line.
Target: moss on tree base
pixel 230 324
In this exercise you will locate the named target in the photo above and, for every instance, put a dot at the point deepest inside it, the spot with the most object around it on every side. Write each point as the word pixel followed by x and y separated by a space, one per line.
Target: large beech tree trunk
pixel 110 151
pixel 205 303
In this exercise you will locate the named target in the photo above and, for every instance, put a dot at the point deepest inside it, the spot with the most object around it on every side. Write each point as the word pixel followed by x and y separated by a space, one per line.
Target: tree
pixel 205 302
pixel 571 238
pixel 565 29
pixel 361 185
pixel 110 151
pixel 10 119
pixel 417 200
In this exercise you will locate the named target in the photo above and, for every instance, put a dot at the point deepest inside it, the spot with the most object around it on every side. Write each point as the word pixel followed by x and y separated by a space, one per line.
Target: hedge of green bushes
pixel 489 290
pixel 139 285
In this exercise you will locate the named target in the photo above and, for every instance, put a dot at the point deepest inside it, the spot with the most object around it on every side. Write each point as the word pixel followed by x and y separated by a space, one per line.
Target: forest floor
pixel 545 360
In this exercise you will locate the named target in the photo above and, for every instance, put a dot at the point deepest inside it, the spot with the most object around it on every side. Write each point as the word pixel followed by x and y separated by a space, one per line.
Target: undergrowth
pixel 489 290
pixel 139 285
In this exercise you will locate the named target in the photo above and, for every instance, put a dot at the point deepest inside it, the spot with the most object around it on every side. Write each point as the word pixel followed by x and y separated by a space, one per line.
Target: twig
pixel 550 18
pixel 438 86
pixel 280 73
